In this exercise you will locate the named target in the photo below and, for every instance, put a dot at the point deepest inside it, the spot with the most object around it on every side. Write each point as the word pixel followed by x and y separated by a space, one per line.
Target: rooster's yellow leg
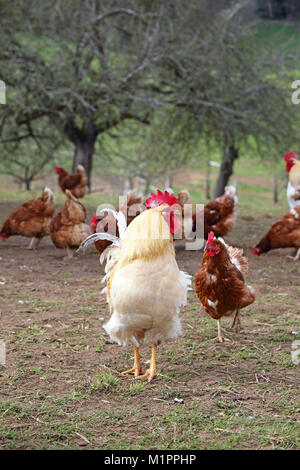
pixel 220 337
pixel 137 365
pixel 151 372
pixel 152 369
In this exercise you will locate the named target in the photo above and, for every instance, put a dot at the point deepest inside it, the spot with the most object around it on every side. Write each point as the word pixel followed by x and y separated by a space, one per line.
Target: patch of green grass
pixel 170 393
pixel 107 381
pixel 278 34
pixel 9 437
pixel 136 388
pixel 91 201
pixel 12 408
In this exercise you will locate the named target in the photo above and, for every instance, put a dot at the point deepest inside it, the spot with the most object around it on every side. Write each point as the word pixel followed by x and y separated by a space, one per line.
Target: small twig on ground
pixel 82 437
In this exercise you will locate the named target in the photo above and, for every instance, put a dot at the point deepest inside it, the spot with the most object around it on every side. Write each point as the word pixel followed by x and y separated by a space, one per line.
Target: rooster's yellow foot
pixel 151 373
pixel 137 365
pixel 136 371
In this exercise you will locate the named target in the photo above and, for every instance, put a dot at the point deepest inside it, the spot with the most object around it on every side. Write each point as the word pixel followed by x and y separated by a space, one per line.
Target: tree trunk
pixel 226 170
pixel 27 185
pixel 83 155
pixel 275 190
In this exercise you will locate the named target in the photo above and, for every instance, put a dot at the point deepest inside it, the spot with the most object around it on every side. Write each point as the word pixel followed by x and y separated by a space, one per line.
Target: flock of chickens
pixel 35 219
pixel 144 286
pixel 285 232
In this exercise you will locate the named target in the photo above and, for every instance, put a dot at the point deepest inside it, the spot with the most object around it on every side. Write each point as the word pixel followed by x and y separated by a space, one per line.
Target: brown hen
pixel 76 182
pixel 68 228
pixel 32 219
pixel 220 284
pixel 219 214
pixel 284 233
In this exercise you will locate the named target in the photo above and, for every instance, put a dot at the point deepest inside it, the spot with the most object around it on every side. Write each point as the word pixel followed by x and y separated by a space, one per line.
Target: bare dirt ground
pixel 61 386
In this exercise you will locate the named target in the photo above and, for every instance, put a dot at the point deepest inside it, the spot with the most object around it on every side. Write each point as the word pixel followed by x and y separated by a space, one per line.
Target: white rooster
pixel 145 288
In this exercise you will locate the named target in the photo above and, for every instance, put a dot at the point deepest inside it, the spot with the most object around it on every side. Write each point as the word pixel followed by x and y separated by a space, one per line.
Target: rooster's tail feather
pixel 99 236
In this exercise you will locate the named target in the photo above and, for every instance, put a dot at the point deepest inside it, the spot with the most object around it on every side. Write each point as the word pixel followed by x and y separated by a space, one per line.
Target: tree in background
pixel 27 150
pixel 146 152
pixel 230 90
pixel 88 67
pixel 84 65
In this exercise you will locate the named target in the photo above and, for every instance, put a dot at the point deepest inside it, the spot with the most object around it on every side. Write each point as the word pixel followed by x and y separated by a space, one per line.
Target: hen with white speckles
pixel 220 283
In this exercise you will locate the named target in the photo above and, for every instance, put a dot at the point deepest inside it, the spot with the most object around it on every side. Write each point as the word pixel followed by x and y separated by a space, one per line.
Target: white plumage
pixel 145 288
pixel 145 300
pixel 291 193
pixel 145 294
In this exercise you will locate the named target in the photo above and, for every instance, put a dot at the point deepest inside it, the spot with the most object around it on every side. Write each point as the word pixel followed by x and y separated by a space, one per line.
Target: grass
pixel 278 34
pixel 105 382
pixel 241 395
pixel 91 201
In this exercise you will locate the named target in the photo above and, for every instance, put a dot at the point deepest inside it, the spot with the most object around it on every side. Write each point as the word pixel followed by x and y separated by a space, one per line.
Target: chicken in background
pixel 284 233
pixel 186 219
pixel 32 219
pixel 293 188
pixel 219 214
pixel 131 208
pixel 68 228
pixel 145 287
pixel 220 284
pixel 76 182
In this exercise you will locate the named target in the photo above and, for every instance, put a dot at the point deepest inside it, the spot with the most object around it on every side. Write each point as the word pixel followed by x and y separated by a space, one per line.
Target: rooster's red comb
pixel 161 198
pixel 211 236
pixel 290 155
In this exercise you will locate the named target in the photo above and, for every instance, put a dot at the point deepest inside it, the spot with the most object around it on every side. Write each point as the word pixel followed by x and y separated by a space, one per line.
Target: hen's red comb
pixel 290 155
pixel 98 224
pixel 93 221
pixel 211 236
pixel 161 198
